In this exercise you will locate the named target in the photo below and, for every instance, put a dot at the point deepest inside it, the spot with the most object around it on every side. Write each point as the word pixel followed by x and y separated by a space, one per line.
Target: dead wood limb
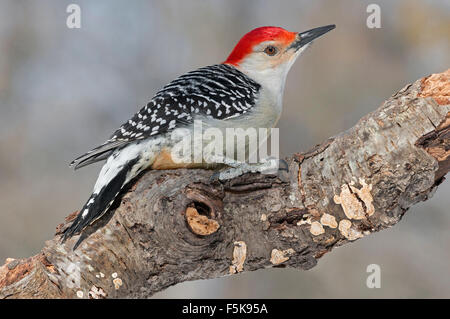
pixel 174 226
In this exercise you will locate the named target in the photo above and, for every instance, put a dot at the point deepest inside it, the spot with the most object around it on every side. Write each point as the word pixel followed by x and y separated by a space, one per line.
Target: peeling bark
pixel 174 226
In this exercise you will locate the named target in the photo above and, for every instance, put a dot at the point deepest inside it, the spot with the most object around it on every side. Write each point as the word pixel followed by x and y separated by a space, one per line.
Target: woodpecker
pixel 244 91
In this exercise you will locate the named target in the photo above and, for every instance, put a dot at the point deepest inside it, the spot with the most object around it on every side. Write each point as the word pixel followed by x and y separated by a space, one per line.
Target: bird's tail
pixel 111 181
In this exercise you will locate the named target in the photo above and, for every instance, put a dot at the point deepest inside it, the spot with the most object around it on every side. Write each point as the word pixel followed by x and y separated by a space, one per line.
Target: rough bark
pixel 173 226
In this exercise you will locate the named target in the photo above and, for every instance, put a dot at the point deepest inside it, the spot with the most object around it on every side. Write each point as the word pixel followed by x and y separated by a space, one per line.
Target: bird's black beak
pixel 306 37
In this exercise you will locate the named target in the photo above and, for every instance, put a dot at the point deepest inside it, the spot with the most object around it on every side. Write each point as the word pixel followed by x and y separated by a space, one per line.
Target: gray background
pixel 64 91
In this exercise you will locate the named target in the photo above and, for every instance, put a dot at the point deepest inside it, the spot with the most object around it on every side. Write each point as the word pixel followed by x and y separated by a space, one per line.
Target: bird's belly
pixel 166 160
pixel 238 138
pixel 243 134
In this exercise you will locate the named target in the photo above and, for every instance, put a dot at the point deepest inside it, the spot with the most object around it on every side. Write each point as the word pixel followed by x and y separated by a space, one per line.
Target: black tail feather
pixel 98 204
pixel 97 154
pixel 93 159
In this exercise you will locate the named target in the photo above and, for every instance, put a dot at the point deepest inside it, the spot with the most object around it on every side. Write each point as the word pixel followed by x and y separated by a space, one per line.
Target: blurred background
pixel 64 91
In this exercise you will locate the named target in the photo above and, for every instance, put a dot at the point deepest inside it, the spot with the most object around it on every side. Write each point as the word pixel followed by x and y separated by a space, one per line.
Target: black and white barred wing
pixel 218 91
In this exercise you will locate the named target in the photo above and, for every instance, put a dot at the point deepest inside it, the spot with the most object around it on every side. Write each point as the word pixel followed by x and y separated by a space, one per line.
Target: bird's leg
pixel 237 168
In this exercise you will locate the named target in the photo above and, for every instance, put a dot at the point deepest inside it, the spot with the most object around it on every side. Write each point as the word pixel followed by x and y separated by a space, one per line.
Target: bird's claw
pixel 278 167
pixel 215 177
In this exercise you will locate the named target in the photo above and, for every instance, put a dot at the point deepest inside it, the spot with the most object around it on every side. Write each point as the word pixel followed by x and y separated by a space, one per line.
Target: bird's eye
pixel 270 50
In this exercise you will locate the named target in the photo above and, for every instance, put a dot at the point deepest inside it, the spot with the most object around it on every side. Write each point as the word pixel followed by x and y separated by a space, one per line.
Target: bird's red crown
pixel 256 36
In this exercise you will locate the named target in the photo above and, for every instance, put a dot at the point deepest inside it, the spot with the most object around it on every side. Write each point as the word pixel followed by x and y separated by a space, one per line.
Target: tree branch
pixel 174 226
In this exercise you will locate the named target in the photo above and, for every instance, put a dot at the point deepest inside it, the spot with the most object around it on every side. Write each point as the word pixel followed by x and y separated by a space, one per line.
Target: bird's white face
pixel 267 54
pixel 270 62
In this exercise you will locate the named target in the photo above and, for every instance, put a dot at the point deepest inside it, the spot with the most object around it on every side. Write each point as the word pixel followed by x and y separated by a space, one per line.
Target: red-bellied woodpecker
pixel 244 91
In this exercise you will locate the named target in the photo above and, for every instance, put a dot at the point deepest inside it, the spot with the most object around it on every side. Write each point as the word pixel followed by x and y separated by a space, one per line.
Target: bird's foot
pixel 271 166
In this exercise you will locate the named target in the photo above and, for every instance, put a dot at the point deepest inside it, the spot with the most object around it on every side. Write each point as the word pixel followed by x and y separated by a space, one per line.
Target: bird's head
pixel 267 53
